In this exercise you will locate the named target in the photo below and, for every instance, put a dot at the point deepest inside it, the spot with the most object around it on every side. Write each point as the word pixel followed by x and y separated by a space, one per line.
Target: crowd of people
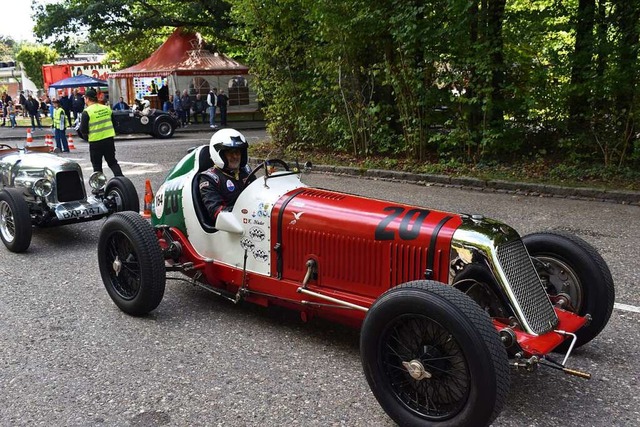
pixel 188 109
pixel 36 108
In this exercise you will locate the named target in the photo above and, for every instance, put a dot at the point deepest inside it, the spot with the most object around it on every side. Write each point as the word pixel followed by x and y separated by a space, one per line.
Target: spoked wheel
pixel 15 220
pixel 575 277
pixel 432 357
pixel 131 263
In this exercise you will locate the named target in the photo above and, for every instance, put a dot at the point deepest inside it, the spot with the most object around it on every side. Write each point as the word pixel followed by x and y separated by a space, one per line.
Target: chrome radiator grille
pixel 526 286
pixel 70 187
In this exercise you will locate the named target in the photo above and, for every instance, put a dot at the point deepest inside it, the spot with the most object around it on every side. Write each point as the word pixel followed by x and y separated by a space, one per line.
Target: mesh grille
pixel 69 186
pixel 526 287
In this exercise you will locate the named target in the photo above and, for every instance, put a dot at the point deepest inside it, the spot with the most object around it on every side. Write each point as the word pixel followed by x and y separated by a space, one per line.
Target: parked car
pixel 447 303
pixel 42 189
pixel 156 123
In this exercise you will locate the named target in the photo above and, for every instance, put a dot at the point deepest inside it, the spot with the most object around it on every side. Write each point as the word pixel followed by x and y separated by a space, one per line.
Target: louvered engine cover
pixel 361 245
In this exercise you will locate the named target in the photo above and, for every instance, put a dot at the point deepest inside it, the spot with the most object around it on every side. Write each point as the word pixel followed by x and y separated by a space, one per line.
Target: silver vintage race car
pixel 43 189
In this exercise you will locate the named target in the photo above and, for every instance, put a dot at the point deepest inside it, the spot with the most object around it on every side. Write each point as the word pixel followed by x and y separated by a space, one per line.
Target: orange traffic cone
pixel 48 141
pixel 70 142
pixel 148 200
pixel 29 137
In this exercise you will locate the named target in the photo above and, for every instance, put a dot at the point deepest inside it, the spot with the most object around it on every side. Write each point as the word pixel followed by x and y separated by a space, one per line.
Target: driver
pixel 143 107
pixel 221 185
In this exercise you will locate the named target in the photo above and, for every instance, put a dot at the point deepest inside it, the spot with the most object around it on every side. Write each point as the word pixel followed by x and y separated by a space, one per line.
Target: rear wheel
pixel 432 357
pixel 163 129
pixel 575 277
pixel 131 263
pixel 123 193
pixel 15 220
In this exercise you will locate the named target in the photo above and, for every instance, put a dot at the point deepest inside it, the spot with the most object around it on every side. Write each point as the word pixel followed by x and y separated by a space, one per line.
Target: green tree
pixel 7 48
pixel 32 58
pixel 132 29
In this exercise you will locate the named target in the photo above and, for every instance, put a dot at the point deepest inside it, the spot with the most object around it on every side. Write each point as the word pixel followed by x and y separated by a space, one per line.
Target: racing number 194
pixel 170 200
pixel 410 224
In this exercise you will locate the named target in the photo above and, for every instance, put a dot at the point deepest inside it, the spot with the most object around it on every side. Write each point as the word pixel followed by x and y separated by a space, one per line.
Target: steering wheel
pixel 5 146
pixel 268 162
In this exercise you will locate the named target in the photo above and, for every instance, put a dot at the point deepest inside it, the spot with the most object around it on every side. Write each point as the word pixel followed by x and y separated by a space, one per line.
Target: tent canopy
pixel 79 81
pixel 183 54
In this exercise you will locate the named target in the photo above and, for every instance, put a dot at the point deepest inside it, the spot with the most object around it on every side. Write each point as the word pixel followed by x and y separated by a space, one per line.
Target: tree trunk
pixel 628 14
pixel 581 70
pixel 495 14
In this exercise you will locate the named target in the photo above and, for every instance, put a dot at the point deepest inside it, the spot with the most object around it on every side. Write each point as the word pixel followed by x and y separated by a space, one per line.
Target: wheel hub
pixel 416 370
pixel 117 266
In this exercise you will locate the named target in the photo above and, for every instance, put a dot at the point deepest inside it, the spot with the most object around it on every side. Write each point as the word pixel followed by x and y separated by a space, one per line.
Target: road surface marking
pixel 626 307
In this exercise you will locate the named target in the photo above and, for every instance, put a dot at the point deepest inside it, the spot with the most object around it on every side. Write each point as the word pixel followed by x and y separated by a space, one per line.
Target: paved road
pixel 70 358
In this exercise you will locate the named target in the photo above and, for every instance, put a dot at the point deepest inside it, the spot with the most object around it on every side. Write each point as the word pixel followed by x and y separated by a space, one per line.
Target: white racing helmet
pixel 227 139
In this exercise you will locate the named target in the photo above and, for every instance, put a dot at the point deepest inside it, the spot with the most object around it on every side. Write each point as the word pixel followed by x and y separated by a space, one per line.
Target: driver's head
pixel 228 149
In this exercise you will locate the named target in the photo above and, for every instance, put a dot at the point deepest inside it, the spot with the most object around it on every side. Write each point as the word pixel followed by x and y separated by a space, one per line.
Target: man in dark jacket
pixel 77 105
pixel 23 103
pixel 33 108
pixel 66 105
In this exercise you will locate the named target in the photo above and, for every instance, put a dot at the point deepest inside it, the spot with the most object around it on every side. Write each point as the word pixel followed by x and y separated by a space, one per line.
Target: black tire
pixel 15 220
pixel 163 129
pixel 569 265
pixel 122 191
pixel 441 332
pixel 131 263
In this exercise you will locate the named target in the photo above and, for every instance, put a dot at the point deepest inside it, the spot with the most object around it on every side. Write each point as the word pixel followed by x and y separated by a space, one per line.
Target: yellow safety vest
pixel 58 118
pixel 100 125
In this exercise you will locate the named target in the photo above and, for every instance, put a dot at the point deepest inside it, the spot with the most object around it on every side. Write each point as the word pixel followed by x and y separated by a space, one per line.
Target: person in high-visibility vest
pixel 59 119
pixel 96 127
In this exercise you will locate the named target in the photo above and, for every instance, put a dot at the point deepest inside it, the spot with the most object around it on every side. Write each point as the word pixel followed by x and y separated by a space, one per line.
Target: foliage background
pixel 417 82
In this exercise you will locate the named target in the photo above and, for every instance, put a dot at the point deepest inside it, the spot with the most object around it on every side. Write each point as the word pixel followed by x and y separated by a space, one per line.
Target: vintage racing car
pixel 43 189
pixel 446 302
pixel 156 123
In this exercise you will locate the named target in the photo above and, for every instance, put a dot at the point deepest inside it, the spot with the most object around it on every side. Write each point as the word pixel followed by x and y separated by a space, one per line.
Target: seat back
pixel 204 163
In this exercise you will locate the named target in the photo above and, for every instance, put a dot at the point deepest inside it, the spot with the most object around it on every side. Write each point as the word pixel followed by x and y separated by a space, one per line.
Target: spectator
pixel 77 105
pixel 212 102
pixel 199 109
pixel 11 110
pixel 177 106
pixel 120 105
pixel 44 106
pixel 23 103
pixel 223 102
pixel 186 106
pixel 66 105
pixel 167 105
pixel 163 95
pixel 33 108
pixel 6 99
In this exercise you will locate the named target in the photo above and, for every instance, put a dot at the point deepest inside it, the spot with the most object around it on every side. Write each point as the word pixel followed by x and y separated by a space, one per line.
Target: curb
pixel 496 186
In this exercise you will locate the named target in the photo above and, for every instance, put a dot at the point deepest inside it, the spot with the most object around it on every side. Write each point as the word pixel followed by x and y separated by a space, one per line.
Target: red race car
pixel 447 303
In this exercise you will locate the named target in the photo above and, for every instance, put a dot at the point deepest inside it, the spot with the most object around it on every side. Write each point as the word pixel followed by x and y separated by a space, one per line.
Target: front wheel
pixel 575 277
pixel 432 357
pixel 121 191
pixel 15 220
pixel 131 263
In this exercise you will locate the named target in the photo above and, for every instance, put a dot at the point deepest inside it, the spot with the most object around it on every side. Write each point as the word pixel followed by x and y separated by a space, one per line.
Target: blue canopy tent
pixel 79 81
